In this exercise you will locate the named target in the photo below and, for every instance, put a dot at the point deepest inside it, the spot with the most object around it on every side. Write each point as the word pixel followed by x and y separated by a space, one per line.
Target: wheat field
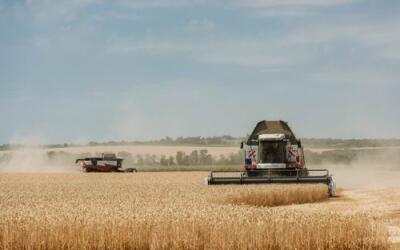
pixel 278 195
pixel 172 211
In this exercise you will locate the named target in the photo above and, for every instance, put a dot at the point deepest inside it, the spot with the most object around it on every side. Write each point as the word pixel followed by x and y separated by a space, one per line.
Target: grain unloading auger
pixel 273 155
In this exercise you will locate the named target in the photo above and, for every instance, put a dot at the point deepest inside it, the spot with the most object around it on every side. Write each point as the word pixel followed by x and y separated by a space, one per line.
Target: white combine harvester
pixel 272 154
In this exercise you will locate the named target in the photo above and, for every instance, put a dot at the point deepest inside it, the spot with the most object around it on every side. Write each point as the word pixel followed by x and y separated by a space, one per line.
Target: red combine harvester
pixel 108 162
pixel 273 154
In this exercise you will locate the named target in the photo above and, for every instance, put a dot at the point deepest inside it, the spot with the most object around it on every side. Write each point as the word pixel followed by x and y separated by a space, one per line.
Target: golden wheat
pixel 166 211
pixel 278 195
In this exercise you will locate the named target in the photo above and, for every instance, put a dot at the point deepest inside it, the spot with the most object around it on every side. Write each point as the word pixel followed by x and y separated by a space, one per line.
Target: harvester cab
pixel 273 154
pixel 273 151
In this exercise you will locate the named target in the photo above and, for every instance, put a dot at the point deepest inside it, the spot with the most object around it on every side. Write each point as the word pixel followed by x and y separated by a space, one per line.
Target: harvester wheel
pixel 131 170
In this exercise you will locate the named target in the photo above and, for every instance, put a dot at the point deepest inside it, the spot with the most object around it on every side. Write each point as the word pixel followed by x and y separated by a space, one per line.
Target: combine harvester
pixel 108 162
pixel 273 154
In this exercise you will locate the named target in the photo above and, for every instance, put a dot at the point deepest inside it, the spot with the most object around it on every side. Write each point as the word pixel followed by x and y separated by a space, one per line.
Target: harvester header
pixel 273 154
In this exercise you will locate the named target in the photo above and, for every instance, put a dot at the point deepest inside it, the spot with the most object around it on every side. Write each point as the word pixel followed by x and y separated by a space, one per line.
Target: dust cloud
pixel 373 168
pixel 30 160
pixel 31 157
pixel 363 175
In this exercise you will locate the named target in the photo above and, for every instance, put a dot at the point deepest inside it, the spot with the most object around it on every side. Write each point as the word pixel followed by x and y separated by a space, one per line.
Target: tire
pixel 131 170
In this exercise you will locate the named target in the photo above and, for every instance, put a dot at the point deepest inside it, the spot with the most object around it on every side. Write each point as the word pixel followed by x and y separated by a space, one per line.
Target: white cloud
pixel 48 12
pixel 290 3
pixel 228 50
pixel 379 37
pixel 152 46
pixel 139 4
pixel 251 52
pixel 391 51
pixel 284 12
pixel 112 14
pixel 355 76
pixel 28 139
pixel 201 25
pixel 287 8
pixel 286 47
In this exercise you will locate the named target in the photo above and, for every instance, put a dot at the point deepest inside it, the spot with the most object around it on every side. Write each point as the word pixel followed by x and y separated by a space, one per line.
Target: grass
pixel 164 211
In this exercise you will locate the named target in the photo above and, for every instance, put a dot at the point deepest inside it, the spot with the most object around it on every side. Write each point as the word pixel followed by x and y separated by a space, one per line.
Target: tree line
pixel 195 158
pixel 203 158
pixel 225 140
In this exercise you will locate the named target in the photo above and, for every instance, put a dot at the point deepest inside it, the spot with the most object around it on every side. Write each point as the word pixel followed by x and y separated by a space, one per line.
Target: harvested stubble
pixel 162 211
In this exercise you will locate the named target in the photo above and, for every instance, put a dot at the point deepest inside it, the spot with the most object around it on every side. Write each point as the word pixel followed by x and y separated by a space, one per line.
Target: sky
pixel 81 70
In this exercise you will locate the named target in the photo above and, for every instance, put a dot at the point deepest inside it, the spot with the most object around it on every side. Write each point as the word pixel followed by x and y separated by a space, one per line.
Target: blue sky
pixel 74 71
